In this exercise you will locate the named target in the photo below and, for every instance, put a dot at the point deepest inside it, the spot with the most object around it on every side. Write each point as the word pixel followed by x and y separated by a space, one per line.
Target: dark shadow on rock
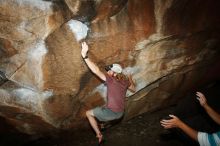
pixel 3 78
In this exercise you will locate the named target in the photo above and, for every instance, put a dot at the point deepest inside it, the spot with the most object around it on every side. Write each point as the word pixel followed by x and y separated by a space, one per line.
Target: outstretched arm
pixel 132 84
pixel 92 66
pixel 175 122
pixel 213 114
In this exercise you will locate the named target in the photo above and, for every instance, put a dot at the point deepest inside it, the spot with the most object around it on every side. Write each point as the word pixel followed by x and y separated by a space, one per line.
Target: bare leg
pixel 94 124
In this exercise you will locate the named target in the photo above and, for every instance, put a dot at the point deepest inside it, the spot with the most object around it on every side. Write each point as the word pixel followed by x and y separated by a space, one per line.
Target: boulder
pixel 170 47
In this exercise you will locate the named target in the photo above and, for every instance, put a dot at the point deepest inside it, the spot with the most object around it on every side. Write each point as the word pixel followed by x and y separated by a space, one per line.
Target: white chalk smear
pixel 40 4
pixel 30 98
pixel 102 90
pixel 78 28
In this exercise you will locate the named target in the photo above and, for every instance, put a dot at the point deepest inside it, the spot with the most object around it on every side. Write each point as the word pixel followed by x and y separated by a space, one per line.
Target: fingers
pixel 199 94
pixel 201 98
pixel 171 123
pixel 172 116
pixel 84 44
pixel 85 47
pixel 166 124
pixel 166 121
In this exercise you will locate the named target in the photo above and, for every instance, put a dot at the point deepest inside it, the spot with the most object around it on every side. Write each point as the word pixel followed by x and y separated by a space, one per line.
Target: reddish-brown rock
pixel 168 47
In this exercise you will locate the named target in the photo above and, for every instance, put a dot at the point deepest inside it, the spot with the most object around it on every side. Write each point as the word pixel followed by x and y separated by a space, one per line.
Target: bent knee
pixel 89 113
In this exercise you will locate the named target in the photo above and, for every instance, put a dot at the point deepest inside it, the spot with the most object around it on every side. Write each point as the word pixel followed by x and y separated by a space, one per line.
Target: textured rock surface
pixel 168 46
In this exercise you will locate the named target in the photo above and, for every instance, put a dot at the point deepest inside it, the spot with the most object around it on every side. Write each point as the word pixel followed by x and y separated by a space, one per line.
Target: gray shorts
pixel 105 114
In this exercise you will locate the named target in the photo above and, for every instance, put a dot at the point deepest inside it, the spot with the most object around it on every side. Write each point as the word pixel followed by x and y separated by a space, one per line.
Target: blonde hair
pixel 121 76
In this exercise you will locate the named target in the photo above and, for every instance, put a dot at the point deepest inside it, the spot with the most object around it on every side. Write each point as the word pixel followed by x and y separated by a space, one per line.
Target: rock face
pixel 168 46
